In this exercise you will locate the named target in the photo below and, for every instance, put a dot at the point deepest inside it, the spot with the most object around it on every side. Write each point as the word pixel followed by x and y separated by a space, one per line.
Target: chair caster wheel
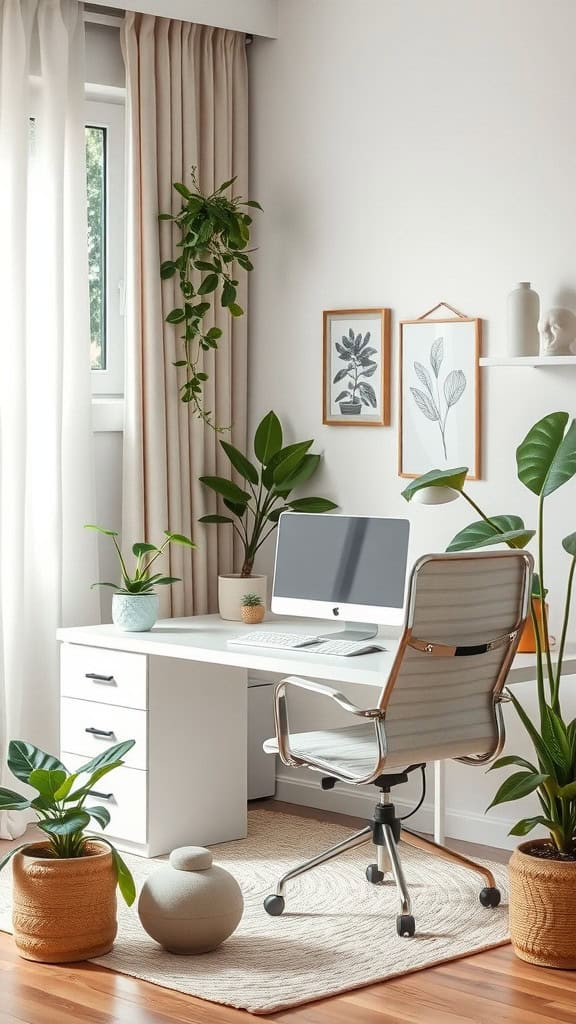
pixel 405 925
pixel 373 874
pixel 490 897
pixel 274 905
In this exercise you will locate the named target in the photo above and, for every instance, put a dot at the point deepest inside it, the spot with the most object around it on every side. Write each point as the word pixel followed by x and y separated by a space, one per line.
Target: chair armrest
pixel 287 755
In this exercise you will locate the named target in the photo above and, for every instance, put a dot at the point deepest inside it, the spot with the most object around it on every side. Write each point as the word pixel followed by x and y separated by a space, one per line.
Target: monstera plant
pixel 545 461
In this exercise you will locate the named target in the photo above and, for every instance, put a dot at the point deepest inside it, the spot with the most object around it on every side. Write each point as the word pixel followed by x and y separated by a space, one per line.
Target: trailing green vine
pixel 214 235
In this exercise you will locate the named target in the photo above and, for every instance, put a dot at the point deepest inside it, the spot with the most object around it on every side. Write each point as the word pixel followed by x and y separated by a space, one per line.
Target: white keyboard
pixel 312 644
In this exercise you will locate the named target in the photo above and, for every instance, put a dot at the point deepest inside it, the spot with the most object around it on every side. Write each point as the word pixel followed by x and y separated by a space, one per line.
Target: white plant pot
pixel 134 613
pixel 231 590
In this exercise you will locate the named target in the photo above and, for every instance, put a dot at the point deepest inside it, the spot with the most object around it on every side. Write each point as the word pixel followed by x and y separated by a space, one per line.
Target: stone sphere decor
pixel 190 905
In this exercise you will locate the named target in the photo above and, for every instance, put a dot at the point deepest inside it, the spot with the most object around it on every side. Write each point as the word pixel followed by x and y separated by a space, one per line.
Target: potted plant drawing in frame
pixel 254 508
pixel 135 601
pixel 356 367
pixel 542 870
pixel 64 887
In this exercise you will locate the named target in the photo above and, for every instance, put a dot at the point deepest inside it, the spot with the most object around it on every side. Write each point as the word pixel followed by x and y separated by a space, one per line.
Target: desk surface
pixel 205 638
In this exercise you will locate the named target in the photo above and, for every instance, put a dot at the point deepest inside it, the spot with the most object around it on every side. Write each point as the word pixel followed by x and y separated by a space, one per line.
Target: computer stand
pixel 353 631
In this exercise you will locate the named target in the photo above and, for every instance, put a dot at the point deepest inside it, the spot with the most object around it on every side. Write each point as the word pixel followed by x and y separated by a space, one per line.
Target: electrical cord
pixel 422 798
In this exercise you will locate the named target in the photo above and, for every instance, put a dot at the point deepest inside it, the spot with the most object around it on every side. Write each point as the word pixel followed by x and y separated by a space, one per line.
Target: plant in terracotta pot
pixel 542 870
pixel 254 511
pixel 135 602
pixel 64 889
pixel 252 609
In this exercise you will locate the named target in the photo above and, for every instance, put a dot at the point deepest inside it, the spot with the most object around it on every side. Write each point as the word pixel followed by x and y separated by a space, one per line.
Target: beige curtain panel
pixel 187 89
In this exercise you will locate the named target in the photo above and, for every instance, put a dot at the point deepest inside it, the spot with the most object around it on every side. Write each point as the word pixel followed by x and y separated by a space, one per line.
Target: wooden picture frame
pixel 444 380
pixel 364 394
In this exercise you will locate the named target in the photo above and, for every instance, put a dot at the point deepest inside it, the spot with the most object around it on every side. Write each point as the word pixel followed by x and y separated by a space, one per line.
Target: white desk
pixel 182 690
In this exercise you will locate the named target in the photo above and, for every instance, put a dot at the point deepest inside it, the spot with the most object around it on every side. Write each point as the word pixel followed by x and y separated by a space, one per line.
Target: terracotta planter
pixel 542 908
pixel 527 643
pixel 63 910
pixel 252 614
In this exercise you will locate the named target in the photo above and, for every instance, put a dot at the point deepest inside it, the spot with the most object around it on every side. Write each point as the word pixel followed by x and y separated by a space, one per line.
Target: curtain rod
pixel 113 21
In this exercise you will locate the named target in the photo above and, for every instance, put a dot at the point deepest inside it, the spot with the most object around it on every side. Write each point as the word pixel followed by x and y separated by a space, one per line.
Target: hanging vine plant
pixel 215 233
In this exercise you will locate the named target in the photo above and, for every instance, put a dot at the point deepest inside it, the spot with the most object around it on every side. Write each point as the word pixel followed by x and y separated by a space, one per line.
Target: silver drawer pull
pixel 98 678
pixel 106 734
pixel 101 796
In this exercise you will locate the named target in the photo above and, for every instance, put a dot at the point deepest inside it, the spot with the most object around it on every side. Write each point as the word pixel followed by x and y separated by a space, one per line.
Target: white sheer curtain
pixel 47 561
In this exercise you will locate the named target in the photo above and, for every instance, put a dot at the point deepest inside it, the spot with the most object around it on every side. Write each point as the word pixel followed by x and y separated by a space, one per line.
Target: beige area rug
pixel 337 933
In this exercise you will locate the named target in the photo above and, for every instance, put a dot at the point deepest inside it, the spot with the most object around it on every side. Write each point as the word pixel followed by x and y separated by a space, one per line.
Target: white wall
pixel 407 152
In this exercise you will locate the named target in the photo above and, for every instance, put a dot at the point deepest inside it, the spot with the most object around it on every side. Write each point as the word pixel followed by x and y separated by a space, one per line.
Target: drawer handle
pixel 98 678
pixel 101 796
pixel 105 733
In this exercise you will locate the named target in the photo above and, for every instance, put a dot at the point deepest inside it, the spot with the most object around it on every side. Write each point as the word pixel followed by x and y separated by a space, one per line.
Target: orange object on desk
pixel 527 643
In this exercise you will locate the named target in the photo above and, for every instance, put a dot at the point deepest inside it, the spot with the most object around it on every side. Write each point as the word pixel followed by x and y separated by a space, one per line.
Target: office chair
pixel 442 699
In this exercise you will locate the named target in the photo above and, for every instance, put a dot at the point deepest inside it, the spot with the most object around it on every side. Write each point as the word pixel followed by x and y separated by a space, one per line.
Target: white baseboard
pixel 343 799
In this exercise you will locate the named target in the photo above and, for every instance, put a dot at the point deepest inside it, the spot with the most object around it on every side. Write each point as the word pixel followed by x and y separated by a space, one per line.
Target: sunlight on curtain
pixel 47 561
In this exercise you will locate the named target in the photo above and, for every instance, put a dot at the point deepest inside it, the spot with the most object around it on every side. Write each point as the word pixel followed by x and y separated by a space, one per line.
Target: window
pixel 105 190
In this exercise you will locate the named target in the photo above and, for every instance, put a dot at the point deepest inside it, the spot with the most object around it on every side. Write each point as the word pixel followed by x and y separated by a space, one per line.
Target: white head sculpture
pixel 557 330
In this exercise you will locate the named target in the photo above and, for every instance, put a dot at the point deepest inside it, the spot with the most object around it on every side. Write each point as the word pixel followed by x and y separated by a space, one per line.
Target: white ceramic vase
pixel 231 590
pixel 523 316
pixel 134 613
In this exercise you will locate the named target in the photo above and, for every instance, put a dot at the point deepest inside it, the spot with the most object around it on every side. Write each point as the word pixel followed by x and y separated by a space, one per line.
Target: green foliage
pixel 214 232
pixel 255 511
pixel 59 807
pixel 251 601
pixel 546 460
pixel 140 581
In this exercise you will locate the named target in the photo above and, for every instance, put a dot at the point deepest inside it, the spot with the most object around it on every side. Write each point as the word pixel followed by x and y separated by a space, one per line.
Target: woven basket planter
pixel 252 614
pixel 542 908
pixel 64 910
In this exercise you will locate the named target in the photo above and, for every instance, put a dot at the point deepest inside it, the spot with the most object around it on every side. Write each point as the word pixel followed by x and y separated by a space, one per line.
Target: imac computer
pixel 349 569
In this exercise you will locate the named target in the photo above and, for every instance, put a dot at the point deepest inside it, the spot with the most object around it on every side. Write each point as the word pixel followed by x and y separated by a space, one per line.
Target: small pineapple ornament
pixel 251 609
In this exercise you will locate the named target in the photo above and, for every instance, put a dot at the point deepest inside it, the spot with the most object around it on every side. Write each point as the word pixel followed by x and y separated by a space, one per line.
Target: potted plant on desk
pixel 543 870
pixel 254 512
pixel 64 889
pixel 135 603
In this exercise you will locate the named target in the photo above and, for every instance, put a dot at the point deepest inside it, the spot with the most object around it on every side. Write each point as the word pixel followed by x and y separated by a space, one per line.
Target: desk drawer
pixel 124 793
pixel 105 676
pixel 79 716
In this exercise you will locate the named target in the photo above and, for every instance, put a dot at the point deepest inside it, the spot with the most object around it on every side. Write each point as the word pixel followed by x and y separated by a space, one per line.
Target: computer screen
pixel 351 567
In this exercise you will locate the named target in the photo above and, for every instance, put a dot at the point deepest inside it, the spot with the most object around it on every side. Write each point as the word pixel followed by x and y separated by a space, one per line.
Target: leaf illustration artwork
pixel 356 352
pixel 429 401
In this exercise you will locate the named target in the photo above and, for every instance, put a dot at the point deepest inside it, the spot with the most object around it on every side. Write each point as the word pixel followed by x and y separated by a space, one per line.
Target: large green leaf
pixel 277 458
pixel 109 756
pixel 7 856
pixel 542 751
pixel 142 548
pixel 499 530
pixel 569 544
pixel 454 478
pixel 179 538
pixel 101 529
pixel 24 758
pixel 305 471
pixel 523 827
pixel 95 777
pixel 47 782
pixel 567 792
pixel 312 505
pixel 268 438
pixel 292 462
pixel 74 820
pixel 100 814
pixel 11 801
pixel 66 786
pixel 215 520
pixel 241 464
pixel 226 488
pixel 555 738
pixel 504 762
pixel 123 874
pixel 546 458
pixel 517 786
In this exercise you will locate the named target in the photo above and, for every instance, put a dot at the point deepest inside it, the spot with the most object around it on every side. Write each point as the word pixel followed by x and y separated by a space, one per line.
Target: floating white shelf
pixel 528 361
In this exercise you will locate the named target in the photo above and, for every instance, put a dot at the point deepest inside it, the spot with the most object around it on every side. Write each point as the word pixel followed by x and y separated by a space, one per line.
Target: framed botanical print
pixel 356 367
pixel 439 395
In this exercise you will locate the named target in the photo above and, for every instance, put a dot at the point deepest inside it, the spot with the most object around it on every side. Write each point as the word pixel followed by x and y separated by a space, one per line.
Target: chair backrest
pixel 464 615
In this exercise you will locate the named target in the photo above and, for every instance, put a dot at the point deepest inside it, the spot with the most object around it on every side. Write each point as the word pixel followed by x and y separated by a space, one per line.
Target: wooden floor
pixel 487 988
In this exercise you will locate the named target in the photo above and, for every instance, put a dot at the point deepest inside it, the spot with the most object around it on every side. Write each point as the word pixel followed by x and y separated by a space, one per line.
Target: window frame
pixel 108 113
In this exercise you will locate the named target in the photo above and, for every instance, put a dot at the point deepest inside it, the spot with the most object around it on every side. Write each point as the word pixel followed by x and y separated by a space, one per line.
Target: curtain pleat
pixel 187 106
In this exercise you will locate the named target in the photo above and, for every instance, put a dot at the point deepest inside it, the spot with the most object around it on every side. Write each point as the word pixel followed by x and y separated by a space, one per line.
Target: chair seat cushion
pixel 353 748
